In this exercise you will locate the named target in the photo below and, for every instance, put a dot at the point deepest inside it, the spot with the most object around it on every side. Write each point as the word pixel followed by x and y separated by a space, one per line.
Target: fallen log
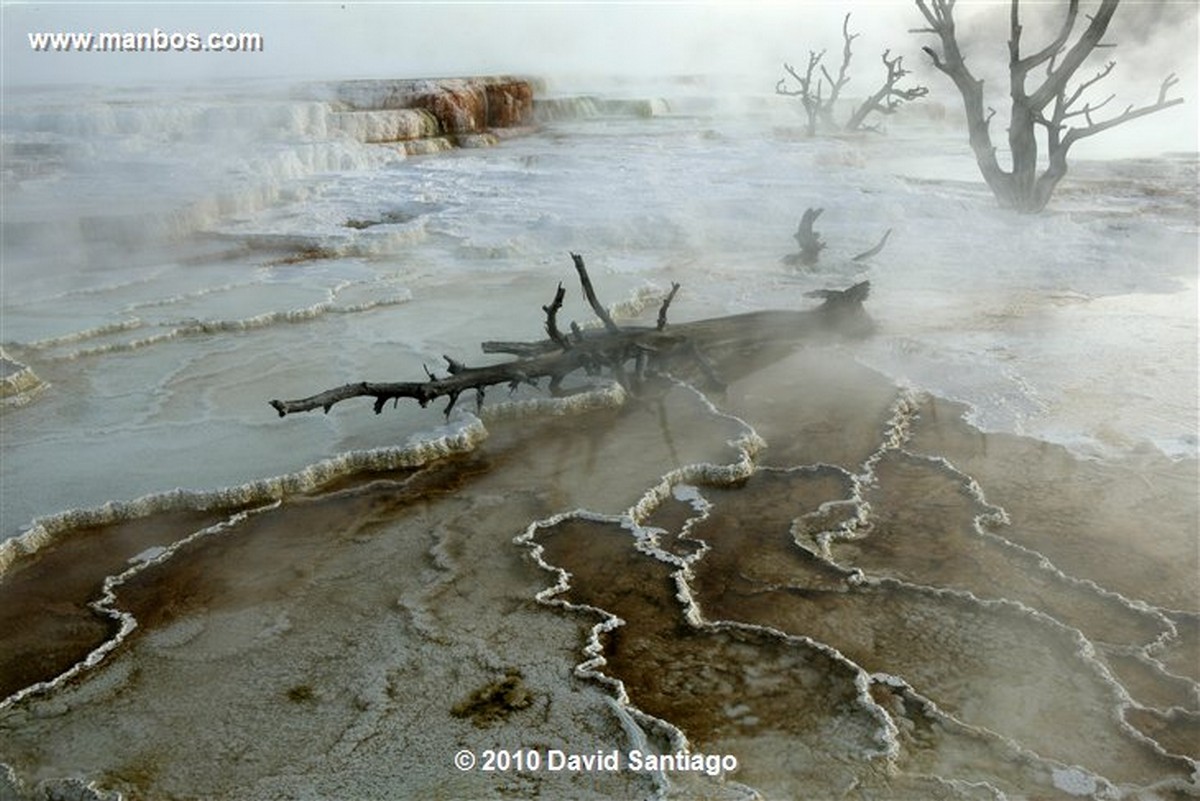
pixel 652 349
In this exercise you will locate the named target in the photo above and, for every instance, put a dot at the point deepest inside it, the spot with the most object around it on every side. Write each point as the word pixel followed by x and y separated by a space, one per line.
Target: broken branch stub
pixel 666 304
pixel 809 240
pixel 552 318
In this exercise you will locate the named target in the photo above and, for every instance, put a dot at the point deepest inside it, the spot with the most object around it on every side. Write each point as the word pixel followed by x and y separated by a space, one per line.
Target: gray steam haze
pixel 419 39
pixel 743 40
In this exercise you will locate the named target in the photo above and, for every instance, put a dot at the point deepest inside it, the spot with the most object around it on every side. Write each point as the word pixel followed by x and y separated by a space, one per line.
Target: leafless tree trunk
pixel 1049 106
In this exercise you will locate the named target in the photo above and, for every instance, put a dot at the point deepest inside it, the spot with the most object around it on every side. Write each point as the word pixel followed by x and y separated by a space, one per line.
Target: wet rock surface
pixel 421 115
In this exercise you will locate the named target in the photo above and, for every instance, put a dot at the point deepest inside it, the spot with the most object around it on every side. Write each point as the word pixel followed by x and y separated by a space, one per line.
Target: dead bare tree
pixel 611 347
pixel 810 96
pixel 819 103
pixel 1050 106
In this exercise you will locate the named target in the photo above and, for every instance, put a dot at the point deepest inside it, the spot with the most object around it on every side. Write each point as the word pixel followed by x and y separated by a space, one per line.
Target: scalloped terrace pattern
pixel 852 591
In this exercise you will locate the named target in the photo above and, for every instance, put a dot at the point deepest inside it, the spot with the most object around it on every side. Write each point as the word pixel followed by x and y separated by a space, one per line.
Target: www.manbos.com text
pixel 153 41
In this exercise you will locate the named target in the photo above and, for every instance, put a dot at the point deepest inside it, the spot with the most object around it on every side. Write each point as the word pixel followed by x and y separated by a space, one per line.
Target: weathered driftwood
pixel 615 348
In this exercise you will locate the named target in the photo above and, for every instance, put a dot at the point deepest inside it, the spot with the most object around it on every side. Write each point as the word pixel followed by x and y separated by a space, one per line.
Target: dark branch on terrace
pixel 651 349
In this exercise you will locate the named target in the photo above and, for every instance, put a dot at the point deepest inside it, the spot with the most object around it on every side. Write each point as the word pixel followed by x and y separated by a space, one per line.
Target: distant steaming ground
pixel 955 560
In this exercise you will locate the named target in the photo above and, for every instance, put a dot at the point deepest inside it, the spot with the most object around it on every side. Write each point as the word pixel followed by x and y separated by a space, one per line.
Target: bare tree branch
pixel 666 304
pixel 888 97
pixel 835 86
pixel 1079 90
pixel 1075 134
pixel 866 254
pixel 552 318
pixel 590 294
pixel 1057 78
pixel 1023 65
